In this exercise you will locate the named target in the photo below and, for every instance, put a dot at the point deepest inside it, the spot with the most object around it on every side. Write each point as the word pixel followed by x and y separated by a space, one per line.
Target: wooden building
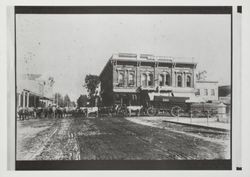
pixel 206 90
pixel 33 91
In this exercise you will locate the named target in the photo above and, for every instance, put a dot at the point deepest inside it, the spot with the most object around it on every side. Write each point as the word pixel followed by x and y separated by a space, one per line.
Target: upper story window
pixel 131 79
pixel 179 81
pixel 161 80
pixel 188 82
pixel 206 92
pixel 150 80
pixel 167 82
pixel 121 79
pixel 144 80
pixel 212 92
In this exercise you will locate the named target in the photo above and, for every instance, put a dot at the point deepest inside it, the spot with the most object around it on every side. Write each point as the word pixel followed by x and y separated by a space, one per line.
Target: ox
pixel 134 108
pixel 92 110
pixel 26 113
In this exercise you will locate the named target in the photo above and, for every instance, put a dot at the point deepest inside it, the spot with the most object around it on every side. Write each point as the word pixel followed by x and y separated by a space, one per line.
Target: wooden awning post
pixel 191 114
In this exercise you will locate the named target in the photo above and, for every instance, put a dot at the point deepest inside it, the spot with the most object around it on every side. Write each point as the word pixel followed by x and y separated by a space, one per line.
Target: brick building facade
pixel 125 73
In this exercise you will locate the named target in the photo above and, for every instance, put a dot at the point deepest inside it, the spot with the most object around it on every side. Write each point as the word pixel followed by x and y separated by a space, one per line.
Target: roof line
pixel 105 66
pixel 160 61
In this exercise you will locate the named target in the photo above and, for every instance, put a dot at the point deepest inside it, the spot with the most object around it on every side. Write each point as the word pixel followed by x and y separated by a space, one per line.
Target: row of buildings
pixel 34 91
pixel 125 72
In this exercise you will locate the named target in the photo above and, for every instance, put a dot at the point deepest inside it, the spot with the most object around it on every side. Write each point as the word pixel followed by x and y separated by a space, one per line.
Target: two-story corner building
pixel 124 73
pixel 207 91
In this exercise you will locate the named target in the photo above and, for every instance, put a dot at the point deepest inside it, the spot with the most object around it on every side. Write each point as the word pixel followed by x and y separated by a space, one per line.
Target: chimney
pixel 137 56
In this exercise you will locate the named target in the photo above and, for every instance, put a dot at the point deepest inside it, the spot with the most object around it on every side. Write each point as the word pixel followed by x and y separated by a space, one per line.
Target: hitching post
pixel 54 114
pixel 207 116
pixel 178 115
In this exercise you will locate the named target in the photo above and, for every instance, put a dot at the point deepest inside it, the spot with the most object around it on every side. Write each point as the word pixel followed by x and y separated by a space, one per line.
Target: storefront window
pixel 198 92
pixel 212 92
pixel 206 92
pixel 133 100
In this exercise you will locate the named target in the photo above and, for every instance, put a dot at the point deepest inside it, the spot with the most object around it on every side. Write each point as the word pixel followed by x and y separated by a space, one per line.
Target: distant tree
pixel 224 91
pixel 66 100
pixel 201 75
pixel 59 99
pixel 73 104
pixel 51 81
pixel 82 101
pixel 91 83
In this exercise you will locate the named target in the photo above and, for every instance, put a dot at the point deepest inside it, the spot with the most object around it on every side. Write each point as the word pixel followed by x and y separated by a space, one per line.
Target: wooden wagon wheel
pixel 151 111
pixel 175 111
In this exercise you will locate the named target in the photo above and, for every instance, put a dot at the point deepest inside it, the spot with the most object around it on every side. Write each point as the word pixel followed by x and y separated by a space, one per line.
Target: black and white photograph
pixel 130 86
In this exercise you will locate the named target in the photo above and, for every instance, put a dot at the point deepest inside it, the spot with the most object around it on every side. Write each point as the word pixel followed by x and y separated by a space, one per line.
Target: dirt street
pixel 116 139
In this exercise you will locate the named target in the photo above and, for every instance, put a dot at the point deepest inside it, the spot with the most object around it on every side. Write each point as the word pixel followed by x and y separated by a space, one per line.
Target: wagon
pixel 174 106
pixel 156 102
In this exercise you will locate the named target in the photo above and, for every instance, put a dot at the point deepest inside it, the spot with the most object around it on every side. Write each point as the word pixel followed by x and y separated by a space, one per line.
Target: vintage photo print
pixel 123 88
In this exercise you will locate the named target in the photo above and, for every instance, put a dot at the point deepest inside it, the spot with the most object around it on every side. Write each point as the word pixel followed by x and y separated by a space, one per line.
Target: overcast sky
pixel 67 47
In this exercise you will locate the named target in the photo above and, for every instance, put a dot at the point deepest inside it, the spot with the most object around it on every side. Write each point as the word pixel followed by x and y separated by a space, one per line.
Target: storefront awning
pixel 44 98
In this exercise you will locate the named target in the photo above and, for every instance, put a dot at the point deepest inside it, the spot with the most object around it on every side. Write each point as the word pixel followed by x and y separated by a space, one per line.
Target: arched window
pixel 167 82
pixel 144 80
pixel 131 79
pixel 121 79
pixel 150 80
pixel 161 80
pixel 188 81
pixel 179 81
